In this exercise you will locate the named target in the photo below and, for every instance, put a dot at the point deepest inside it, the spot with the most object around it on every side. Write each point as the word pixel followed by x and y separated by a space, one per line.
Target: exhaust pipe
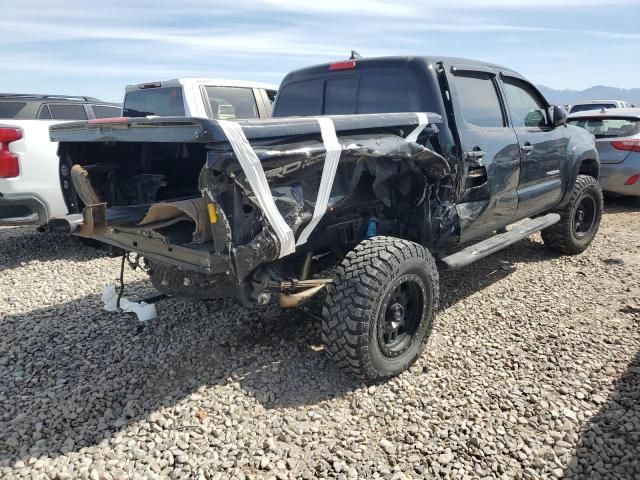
pixel 311 287
pixel 292 300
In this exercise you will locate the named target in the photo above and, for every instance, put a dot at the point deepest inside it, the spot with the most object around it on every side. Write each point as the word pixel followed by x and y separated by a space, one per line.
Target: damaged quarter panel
pixel 380 175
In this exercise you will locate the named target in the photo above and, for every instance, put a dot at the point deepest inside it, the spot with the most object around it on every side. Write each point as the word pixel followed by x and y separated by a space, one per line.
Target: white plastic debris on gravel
pixel 532 372
pixel 144 311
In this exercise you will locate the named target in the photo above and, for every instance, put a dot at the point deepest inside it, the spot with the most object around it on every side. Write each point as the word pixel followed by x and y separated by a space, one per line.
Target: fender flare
pixel 582 158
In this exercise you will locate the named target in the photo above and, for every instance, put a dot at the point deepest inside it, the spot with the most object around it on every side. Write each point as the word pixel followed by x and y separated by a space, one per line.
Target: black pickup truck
pixel 371 169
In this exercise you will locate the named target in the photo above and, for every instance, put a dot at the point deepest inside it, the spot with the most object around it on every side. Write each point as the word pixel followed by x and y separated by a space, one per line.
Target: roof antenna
pixel 355 55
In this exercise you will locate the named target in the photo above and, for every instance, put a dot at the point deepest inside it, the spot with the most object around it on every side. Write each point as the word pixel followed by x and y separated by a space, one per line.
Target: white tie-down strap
pixel 332 158
pixel 252 168
pixel 422 122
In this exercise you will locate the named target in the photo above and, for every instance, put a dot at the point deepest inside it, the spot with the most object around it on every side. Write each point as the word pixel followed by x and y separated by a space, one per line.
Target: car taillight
pixel 632 179
pixel 9 165
pixel 150 85
pixel 348 65
pixel 627 145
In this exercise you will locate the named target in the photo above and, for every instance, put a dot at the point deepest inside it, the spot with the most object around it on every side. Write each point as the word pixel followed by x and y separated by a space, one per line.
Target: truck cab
pixel 510 147
pixel 199 97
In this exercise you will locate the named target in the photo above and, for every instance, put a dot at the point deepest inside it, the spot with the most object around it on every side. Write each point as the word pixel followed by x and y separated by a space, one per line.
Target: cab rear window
pixel 300 98
pixel 163 102
pixel 371 92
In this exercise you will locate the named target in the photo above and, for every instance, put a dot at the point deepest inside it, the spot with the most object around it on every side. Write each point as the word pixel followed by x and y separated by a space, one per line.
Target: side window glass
pixel 44 114
pixel 105 111
pixel 479 101
pixel 232 102
pixel 526 110
pixel 67 112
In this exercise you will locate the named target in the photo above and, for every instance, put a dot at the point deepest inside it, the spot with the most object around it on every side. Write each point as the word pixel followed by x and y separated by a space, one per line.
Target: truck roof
pixel 216 82
pixel 373 62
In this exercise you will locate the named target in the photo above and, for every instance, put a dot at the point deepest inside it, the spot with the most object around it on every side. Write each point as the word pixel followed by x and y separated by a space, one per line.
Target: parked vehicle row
pixel 30 193
pixel 376 169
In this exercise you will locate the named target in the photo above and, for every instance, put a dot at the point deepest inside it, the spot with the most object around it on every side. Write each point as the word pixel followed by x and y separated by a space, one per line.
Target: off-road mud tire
pixel 363 283
pixel 562 235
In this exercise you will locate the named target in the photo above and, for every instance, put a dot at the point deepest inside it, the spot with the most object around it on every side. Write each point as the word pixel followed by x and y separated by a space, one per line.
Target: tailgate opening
pixel 148 187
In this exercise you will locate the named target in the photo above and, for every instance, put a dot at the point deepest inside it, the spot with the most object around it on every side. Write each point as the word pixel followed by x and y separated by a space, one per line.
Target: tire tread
pixel 352 298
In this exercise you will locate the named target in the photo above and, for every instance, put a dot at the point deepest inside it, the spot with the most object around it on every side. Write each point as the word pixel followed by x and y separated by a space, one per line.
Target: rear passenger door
pixel 542 148
pixel 491 156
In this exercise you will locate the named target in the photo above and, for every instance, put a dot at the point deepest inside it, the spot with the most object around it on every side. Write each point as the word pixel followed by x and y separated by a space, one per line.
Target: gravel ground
pixel 532 372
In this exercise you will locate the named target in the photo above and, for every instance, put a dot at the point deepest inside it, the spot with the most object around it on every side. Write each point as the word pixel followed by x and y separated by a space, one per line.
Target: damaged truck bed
pixel 189 201
pixel 371 169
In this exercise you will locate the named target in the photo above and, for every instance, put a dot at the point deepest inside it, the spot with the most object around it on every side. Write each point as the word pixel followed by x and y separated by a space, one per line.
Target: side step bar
pixel 498 242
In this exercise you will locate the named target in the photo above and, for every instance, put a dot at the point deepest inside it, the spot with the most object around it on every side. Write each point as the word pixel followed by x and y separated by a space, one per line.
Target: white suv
pixel 30 192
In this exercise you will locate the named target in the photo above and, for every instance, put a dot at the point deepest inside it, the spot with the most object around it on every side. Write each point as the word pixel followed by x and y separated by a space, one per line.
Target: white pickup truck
pixel 30 192
pixel 186 97
pixel 199 97
pixel 35 187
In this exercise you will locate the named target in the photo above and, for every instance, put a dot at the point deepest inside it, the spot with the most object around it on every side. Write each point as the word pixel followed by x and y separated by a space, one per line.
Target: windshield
pixel 608 127
pixel 591 106
pixel 10 109
pixel 163 102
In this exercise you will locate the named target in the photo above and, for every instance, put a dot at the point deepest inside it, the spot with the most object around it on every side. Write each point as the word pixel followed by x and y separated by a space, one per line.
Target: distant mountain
pixel 600 92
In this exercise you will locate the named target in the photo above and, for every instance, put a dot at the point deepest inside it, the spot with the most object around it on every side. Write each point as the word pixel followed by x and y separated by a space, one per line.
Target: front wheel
pixel 379 311
pixel 579 220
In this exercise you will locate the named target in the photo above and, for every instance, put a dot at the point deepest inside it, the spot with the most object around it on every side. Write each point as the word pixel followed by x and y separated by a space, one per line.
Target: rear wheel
pixel 579 220
pixel 380 308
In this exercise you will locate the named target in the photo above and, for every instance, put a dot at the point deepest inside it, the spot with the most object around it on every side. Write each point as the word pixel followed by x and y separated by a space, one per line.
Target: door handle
pixel 527 147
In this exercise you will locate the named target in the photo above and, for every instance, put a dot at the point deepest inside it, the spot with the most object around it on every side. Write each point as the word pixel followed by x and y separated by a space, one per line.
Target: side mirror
pixel 535 118
pixel 558 116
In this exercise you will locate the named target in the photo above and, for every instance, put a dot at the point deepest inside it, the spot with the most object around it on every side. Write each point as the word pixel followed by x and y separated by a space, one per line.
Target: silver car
pixel 617 133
